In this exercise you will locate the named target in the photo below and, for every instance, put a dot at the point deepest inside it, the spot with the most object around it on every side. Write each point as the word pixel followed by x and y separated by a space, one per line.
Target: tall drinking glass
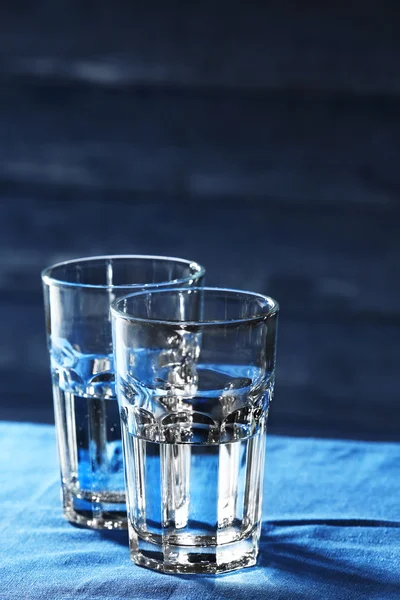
pixel 195 378
pixel 77 298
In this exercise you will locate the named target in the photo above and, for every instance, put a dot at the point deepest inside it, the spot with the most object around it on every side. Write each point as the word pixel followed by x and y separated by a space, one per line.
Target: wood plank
pixel 321 266
pixel 350 46
pixel 337 380
pixel 292 149
pixel 331 379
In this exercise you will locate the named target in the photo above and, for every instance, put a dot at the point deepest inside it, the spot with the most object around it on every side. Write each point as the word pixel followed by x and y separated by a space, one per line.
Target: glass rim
pixel 48 279
pixel 271 305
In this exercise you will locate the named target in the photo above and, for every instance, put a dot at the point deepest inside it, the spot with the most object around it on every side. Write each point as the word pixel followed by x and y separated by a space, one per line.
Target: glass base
pixel 211 559
pixel 90 510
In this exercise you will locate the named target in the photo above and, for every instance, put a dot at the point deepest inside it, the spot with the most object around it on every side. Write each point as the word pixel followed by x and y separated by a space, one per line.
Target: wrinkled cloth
pixel 331 529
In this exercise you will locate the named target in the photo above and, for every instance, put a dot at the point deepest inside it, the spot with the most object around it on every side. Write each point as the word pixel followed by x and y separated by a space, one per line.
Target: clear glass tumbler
pixel 194 378
pixel 77 298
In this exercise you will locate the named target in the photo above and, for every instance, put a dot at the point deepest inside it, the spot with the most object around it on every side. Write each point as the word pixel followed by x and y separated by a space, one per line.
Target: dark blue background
pixel 262 141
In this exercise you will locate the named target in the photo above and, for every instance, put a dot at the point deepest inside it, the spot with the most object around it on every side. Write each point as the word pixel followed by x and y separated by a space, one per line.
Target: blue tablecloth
pixel 331 529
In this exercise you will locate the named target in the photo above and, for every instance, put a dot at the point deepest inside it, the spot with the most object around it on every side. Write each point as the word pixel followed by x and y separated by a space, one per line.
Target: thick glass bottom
pixel 160 555
pixel 107 511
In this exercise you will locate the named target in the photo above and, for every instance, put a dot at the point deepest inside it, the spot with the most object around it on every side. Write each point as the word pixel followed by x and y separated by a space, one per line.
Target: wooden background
pixel 263 142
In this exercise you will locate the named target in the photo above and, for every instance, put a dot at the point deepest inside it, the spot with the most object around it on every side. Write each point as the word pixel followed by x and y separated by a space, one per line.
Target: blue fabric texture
pixel 331 529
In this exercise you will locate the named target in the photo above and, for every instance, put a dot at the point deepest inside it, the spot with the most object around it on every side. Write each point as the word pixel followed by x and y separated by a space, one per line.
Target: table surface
pixel 331 529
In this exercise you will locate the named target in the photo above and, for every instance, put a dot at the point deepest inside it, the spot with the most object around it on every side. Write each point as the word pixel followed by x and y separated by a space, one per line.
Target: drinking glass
pixel 194 379
pixel 77 297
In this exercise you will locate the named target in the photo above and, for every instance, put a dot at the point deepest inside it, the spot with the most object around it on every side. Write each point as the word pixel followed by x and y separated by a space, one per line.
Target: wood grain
pixel 322 266
pixel 287 148
pixel 332 379
pixel 350 46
